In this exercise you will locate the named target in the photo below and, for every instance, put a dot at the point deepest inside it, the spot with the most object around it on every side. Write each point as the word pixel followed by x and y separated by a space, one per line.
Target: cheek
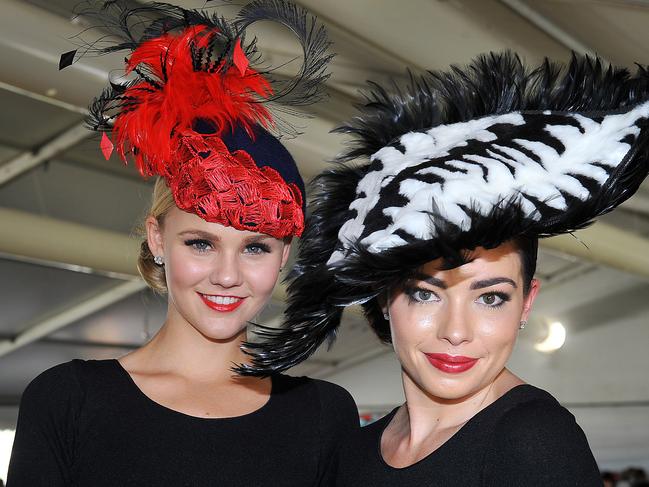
pixel 497 330
pixel 183 270
pixel 261 276
pixel 411 323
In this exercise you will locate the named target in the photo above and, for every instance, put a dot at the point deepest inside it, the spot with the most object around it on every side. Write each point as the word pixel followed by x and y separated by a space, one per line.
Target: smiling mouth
pixel 451 364
pixel 223 304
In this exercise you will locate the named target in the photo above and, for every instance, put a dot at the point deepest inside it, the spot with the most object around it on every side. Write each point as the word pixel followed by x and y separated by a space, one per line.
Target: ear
pixel 384 304
pixel 154 236
pixel 535 287
pixel 285 253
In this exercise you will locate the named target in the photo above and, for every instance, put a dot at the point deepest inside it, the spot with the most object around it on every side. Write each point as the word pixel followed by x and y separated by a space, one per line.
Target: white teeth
pixel 222 299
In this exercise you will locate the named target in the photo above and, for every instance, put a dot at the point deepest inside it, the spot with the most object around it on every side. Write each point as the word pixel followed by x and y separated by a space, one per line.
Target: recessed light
pixel 555 339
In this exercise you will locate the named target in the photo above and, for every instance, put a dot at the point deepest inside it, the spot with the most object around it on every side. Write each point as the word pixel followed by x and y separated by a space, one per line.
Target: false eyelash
pixel 262 246
pixel 505 298
pixel 196 241
pixel 410 291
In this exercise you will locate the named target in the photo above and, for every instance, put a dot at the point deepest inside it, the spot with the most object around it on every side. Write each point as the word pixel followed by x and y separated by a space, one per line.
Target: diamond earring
pixel 159 260
pixel 522 325
pixel 386 315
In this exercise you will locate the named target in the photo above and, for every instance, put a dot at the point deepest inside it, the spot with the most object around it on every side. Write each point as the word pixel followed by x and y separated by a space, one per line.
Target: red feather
pixel 155 113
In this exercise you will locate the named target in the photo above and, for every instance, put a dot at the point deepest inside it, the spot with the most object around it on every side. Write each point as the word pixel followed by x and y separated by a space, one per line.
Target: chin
pixel 222 331
pixel 450 388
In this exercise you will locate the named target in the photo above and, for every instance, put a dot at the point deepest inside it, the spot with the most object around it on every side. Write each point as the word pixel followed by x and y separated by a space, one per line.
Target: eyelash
pixel 504 298
pixel 199 244
pixel 262 248
pixel 202 246
pixel 411 293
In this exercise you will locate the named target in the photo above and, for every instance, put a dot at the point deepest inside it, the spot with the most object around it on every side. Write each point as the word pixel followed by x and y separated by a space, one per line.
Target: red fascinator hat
pixel 197 111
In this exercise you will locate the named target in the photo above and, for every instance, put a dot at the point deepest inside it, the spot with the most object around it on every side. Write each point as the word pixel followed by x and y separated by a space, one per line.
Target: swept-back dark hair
pixel 493 84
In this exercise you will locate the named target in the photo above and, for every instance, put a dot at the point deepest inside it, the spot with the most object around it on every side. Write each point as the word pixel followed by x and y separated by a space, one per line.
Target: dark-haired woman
pixel 437 238
pixel 225 208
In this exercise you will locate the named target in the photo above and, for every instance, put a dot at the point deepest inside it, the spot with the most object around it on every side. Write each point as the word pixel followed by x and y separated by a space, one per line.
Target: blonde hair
pixel 152 273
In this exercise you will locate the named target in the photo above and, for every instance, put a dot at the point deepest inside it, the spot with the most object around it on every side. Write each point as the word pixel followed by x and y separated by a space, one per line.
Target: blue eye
pixel 493 299
pixel 257 248
pixel 199 245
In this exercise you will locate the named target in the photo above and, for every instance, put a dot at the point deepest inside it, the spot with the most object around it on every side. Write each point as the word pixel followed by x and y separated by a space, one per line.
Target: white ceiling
pixel 63 209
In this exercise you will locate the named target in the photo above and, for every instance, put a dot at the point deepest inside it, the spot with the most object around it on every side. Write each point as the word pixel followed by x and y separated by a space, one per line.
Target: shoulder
pixel 326 393
pixel 333 395
pixel 335 405
pixel 536 414
pixel 63 381
pixel 539 440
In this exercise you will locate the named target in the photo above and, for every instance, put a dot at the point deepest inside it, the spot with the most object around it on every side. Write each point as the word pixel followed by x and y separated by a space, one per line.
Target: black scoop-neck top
pixel 86 423
pixel 525 438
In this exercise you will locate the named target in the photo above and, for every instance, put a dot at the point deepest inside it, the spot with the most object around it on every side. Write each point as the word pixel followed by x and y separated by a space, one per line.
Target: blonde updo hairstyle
pixel 152 273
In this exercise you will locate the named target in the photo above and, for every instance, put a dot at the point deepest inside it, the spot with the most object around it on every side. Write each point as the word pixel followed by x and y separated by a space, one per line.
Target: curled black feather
pixel 306 87
pixel 493 84
pixel 124 28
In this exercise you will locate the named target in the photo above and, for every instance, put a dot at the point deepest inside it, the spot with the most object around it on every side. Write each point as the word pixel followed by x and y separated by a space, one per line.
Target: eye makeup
pixel 199 244
pixel 494 299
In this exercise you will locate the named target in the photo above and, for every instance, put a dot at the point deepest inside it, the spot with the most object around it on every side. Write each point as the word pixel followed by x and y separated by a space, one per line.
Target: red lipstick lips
pixel 223 304
pixel 451 364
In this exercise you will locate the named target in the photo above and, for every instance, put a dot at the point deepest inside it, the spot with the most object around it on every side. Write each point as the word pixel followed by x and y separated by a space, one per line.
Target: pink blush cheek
pixel 261 278
pixel 184 272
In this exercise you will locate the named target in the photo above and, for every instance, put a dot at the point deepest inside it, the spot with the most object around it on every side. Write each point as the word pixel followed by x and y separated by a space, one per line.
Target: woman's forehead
pixel 504 259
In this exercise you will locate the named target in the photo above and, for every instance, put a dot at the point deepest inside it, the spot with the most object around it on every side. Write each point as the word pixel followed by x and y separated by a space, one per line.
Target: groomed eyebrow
pixel 258 239
pixel 492 282
pixel 199 234
pixel 433 281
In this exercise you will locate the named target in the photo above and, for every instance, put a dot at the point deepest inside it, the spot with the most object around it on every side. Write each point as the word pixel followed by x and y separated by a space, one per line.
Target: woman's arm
pixel 43 449
pixel 538 444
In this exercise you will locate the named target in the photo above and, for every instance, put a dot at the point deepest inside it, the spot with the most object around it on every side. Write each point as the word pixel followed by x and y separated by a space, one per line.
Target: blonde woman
pixel 226 205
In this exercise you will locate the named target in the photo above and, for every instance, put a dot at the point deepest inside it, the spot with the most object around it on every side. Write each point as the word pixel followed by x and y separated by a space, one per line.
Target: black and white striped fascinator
pixel 469 157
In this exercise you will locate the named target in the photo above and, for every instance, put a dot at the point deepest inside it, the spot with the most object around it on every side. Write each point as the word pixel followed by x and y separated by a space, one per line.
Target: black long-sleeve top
pixel 86 424
pixel 523 439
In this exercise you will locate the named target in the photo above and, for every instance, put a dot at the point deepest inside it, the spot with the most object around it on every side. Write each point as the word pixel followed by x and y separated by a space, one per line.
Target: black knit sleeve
pixel 537 444
pixel 43 450
pixel 338 419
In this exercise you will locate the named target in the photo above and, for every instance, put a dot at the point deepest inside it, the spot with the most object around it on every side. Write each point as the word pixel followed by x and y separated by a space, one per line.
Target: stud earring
pixel 159 260
pixel 522 325
pixel 386 315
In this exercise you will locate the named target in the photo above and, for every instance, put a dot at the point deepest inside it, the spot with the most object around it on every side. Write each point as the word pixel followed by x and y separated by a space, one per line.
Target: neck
pixel 424 414
pixel 180 348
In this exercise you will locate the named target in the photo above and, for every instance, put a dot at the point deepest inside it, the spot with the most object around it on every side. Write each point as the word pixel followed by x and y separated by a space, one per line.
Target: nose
pixel 226 271
pixel 455 328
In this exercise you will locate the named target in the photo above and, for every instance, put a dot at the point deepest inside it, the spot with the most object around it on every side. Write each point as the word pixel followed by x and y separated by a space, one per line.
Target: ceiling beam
pixel 523 9
pixel 49 324
pixel 604 244
pixel 32 158
pixel 71 245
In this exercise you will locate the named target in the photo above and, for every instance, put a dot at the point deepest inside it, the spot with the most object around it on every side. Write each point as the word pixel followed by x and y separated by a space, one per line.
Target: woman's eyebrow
pixel 434 281
pixel 258 238
pixel 493 281
pixel 199 234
